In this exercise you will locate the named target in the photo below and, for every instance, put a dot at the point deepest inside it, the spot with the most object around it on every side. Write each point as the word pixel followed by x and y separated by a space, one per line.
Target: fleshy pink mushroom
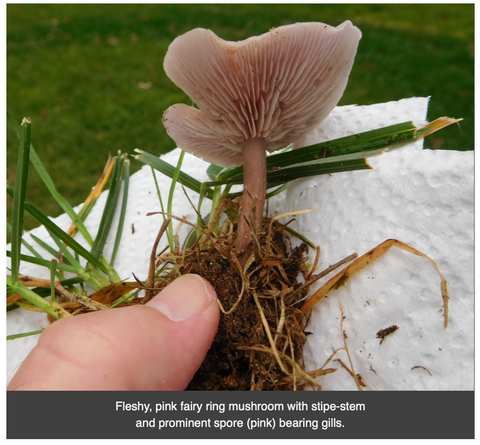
pixel 254 96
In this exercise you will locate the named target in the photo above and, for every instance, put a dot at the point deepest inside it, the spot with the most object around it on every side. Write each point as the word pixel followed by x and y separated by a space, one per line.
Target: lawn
pixel 91 78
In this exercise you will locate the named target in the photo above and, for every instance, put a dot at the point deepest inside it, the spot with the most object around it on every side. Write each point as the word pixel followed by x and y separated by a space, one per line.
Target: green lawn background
pixel 91 76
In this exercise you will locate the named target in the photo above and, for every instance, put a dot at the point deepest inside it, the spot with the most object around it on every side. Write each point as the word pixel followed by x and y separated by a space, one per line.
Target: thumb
pixel 158 346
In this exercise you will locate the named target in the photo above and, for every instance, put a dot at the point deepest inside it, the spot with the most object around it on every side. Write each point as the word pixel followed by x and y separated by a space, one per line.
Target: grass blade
pixel 53 228
pixel 25 334
pixel 43 262
pixel 110 207
pixel 360 145
pixel 175 178
pixel 72 261
pixel 49 249
pixel 339 155
pixel 176 174
pixel 282 176
pixel 436 125
pixel 43 244
pixel 213 171
pixel 47 180
pixel 18 208
pixel 94 195
pixel 43 291
pixel 36 300
pixel 169 170
pixel 285 175
pixel 24 243
pixel 53 269
pixel 159 192
pixel 123 210
pixel 64 204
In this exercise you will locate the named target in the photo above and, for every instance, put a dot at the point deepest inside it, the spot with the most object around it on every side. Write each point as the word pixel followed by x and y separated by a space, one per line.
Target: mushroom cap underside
pixel 277 86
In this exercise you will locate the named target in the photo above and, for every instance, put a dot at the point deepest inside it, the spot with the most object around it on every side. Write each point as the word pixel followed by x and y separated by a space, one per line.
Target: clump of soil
pixel 260 338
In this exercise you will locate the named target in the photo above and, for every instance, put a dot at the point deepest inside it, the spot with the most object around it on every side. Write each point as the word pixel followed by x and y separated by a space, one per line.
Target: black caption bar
pixel 240 415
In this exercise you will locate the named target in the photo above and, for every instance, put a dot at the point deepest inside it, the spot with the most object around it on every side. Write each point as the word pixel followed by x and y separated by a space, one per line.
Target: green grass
pixel 76 69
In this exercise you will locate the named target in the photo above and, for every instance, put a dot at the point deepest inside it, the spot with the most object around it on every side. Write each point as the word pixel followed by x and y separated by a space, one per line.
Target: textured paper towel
pixel 420 197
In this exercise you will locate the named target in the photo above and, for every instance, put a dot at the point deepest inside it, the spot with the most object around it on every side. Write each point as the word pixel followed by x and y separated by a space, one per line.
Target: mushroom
pixel 256 95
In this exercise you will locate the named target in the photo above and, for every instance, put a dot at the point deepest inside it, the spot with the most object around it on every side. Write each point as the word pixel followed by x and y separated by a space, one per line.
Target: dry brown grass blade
pixel 99 300
pixel 315 263
pixel 301 374
pixel 269 334
pixel 329 269
pixel 153 256
pixel 329 359
pixel 233 258
pixel 33 281
pixel 29 282
pixel 192 205
pixel 358 382
pixel 82 299
pixel 97 190
pixel 362 262
pixel 334 266
pixel 14 298
pixel 436 125
pixel 105 296
pixel 94 194
pixel 281 322
pixel 298 373
pixel 321 372
pixel 290 345
pixel 111 293
pixel 182 220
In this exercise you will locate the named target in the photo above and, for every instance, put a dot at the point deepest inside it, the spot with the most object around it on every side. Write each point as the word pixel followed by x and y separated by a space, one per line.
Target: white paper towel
pixel 424 198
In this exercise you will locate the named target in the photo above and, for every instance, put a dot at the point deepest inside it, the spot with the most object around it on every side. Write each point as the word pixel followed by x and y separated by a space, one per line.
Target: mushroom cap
pixel 277 87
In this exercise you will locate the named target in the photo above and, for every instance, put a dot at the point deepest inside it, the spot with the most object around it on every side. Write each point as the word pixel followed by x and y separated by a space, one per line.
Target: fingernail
pixel 184 298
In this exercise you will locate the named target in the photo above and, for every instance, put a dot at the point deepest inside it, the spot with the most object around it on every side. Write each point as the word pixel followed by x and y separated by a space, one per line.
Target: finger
pixel 158 346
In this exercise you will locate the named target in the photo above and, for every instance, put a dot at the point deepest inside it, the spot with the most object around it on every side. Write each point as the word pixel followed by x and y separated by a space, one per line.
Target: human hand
pixel 158 346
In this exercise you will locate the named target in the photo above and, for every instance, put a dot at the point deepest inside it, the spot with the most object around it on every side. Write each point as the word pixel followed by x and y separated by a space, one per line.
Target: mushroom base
pixel 260 338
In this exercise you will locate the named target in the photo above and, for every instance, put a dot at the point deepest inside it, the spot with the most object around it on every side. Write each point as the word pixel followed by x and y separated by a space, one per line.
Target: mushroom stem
pixel 254 191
